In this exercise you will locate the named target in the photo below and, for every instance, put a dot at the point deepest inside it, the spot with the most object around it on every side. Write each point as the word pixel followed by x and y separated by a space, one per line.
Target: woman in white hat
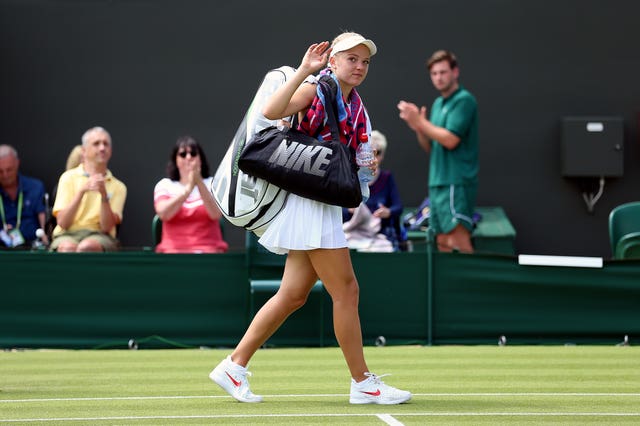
pixel 310 232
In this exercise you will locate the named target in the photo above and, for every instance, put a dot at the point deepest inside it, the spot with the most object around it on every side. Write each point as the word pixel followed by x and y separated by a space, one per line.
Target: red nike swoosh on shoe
pixel 376 393
pixel 237 383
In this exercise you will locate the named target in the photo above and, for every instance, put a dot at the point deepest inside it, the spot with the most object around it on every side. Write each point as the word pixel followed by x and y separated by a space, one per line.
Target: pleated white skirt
pixel 304 224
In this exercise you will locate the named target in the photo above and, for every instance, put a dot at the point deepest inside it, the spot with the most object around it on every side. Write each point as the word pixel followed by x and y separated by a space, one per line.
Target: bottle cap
pixel 364 137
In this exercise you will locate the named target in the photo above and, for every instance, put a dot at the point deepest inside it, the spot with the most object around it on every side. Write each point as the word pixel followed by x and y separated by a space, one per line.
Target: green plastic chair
pixel 624 230
pixel 156 230
pixel 628 247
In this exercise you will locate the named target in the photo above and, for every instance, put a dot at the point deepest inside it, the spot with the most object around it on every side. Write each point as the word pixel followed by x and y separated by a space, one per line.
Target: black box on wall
pixel 592 146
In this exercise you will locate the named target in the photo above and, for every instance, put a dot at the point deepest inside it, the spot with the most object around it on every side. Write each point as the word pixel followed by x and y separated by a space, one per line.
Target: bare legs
pixel 86 245
pixel 297 280
pixel 459 239
pixel 336 272
pixel 302 268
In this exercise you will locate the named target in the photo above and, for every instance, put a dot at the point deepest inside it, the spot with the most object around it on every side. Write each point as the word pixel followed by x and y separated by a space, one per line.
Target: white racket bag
pixel 245 201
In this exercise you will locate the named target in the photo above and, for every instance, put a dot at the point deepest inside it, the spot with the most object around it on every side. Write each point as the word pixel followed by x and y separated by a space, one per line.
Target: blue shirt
pixel 384 191
pixel 32 204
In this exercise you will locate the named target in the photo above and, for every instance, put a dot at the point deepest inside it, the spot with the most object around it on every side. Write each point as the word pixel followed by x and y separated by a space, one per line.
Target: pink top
pixel 191 230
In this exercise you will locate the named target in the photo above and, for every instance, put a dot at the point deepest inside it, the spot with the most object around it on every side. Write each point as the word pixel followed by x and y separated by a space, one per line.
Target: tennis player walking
pixel 310 232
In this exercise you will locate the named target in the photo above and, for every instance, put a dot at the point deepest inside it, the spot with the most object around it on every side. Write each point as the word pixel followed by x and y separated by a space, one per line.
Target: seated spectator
pixel 89 200
pixel 362 231
pixel 183 201
pixel 384 199
pixel 73 160
pixel 75 157
pixel 22 206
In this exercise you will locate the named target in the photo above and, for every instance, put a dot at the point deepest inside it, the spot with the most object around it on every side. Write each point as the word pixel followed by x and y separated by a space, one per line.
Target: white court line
pixel 389 419
pixel 497 394
pixel 245 416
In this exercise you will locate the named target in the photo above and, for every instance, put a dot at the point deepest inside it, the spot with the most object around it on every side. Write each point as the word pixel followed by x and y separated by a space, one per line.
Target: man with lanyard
pixel 22 207
pixel 450 136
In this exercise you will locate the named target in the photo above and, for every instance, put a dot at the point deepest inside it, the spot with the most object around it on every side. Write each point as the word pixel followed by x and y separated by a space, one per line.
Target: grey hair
pixel 85 136
pixel 379 141
pixel 7 150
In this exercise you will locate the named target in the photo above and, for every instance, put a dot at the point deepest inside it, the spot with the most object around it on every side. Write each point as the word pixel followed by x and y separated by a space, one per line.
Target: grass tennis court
pixel 451 385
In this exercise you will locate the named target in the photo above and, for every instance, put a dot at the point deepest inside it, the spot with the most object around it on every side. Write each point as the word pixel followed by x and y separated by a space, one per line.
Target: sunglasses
pixel 183 154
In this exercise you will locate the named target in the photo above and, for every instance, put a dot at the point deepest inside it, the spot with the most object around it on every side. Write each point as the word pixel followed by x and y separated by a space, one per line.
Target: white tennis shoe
pixel 373 391
pixel 233 379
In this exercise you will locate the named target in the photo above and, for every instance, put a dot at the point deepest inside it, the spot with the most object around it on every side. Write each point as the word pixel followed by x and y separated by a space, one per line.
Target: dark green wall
pixel 150 71
pixel 103 300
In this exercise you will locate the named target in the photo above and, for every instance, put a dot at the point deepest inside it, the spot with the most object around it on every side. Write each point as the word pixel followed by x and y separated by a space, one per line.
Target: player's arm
pixel 293 96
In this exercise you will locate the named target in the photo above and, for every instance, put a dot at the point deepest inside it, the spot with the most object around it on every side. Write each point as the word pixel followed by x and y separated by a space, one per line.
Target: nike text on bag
pixel 246 201
pixel 320 170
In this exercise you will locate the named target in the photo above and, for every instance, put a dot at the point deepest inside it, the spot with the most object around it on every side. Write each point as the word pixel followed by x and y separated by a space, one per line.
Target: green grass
pixel 451 385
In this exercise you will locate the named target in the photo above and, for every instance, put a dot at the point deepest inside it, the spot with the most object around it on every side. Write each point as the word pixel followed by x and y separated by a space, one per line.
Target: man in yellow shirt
pixel 90 200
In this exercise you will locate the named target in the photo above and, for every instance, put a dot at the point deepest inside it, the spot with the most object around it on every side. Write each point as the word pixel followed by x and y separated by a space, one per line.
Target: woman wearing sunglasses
pixel 189 214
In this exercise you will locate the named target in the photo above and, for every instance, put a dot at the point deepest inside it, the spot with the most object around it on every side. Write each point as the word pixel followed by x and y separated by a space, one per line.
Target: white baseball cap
pixel 352 41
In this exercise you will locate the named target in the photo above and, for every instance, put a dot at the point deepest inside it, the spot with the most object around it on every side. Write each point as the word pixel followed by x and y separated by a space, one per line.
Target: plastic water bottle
pixel 364 158
pixel 38 244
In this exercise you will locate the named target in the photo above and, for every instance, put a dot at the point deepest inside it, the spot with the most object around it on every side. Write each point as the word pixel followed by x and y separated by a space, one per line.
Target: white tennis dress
pixel 304 224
